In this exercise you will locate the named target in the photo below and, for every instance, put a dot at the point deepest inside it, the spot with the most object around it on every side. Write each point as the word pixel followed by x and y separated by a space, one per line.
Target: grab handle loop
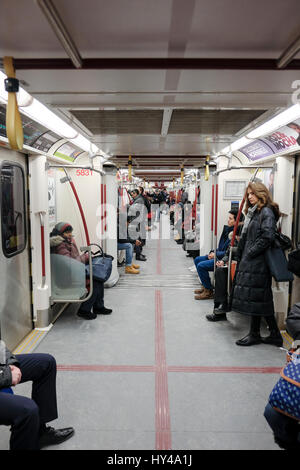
pixel 14 128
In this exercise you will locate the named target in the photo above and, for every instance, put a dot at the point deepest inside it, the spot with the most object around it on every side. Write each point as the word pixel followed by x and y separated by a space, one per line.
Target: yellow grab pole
pixel 182 174
pixel 130 168
pixel 206 174
pixel 14 128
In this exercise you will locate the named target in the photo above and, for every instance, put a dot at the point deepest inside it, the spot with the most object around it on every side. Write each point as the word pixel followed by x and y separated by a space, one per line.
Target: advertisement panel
pixel 286 138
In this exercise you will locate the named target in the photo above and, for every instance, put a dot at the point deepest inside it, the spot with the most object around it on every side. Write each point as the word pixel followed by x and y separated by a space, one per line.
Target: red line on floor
pixel 105 368
pixel 184 369
pixel 158 253
pixel 225 370
pixel 162 406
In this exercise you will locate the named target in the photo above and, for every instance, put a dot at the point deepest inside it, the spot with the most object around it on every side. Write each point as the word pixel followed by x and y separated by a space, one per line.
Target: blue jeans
pixel 129 252
pixel 204 265
pixel 284 428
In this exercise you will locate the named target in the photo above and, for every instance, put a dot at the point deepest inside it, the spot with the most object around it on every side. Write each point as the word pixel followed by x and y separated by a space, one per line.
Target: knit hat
pixel 62 227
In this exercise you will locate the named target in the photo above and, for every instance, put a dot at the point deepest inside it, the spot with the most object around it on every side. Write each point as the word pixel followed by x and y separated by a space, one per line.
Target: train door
pixel 15 288
pixel 295 297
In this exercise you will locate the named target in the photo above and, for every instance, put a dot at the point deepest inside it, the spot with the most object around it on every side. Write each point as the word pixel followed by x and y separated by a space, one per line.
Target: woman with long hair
pixel 252 293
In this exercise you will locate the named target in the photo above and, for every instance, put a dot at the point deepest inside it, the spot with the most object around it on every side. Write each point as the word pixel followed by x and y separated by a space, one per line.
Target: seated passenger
pixel 205 264
pixel 221 277
pixel 28 417
pixel 125 243
pixel 285 428
pixel 63 243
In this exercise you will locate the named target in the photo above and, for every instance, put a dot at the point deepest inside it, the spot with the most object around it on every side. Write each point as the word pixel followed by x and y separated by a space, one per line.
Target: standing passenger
pixel 252 294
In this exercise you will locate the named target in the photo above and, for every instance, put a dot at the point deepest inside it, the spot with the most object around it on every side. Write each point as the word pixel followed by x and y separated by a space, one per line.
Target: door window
pixel 13 222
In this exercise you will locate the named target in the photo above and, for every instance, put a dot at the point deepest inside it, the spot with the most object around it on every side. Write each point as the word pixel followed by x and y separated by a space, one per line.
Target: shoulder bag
pixel 102 265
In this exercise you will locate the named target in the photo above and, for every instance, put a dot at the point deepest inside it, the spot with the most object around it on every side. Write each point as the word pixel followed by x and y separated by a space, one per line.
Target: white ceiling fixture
pixel 166 121
pixel 275 123
pixel 289 54
pixel 60 31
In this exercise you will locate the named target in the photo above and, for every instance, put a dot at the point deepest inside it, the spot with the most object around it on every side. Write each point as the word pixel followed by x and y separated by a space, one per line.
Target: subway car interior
pixel 187 102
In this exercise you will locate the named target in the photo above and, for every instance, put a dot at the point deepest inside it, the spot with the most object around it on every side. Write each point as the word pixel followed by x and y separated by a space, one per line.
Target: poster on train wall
pixel 51 198
pixel 286 138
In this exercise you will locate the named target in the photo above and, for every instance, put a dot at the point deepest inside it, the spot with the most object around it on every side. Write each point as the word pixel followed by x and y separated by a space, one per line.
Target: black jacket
pixel 293 321
pixel 252 292
pixel 5 371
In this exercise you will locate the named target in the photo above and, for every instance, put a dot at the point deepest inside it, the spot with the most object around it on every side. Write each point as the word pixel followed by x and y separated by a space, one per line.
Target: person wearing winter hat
pixel 63 243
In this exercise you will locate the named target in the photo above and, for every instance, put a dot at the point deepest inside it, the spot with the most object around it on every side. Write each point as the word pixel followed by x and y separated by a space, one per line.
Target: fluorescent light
pixel 38 112
pixel 276 122
pixel 268 127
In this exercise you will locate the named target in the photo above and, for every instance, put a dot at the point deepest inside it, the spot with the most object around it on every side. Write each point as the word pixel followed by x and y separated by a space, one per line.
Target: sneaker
pixel 86 315
pixel 55 436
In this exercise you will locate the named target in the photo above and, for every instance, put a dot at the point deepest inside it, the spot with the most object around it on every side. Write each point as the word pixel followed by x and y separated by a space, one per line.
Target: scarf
pixel 248 217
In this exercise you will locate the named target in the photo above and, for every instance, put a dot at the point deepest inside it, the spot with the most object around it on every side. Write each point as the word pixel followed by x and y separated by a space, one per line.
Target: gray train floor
pixel 156 374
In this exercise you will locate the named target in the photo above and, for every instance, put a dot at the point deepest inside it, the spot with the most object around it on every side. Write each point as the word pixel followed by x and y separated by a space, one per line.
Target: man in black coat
pixel 28 417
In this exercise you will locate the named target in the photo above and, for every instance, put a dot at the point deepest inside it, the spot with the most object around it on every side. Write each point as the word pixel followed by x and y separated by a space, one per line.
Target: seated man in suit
pixel 28 417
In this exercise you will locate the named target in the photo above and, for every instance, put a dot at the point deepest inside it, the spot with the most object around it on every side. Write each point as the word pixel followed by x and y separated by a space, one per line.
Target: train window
pixel 13 224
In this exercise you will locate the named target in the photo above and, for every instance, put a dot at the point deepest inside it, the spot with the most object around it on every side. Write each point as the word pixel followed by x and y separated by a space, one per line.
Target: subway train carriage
pixel 150 225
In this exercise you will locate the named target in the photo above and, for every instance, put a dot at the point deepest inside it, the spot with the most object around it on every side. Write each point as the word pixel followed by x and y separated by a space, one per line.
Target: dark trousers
pixel 97 299
pixel 221 286
pixel 25 415
pixel 284 428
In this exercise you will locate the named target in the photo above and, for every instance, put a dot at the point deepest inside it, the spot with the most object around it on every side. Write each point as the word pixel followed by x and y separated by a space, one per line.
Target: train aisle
pixel 156 374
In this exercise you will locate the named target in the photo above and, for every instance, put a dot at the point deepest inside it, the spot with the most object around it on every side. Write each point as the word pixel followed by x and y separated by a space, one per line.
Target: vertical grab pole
pixel 43 249
pixel 80 209
pixel 216 225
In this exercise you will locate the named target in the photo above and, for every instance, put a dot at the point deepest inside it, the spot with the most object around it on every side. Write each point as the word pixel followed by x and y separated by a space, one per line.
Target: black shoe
pixel 55 436
pixel 273 339
pixel 249 340
pixel 102 311
pixel 221 309
pixel 216 317
pixel 141 258
pixel 86 315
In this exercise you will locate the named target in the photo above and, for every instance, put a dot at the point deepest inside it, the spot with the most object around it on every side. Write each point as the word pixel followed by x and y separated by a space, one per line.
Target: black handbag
pixel 294 261
pixel 283 240
pixel 277 263
pixel 102 265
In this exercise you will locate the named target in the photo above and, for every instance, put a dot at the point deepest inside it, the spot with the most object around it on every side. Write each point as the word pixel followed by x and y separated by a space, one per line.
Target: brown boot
pixel 131 270
pixel 135 266
pixel 199 291
pixel 206 294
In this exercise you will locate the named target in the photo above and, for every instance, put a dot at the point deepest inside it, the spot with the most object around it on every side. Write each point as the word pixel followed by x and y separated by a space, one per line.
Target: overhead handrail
pixel 14 128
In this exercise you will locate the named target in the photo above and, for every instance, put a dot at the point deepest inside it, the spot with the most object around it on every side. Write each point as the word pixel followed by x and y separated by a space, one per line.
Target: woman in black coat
pixel 252 294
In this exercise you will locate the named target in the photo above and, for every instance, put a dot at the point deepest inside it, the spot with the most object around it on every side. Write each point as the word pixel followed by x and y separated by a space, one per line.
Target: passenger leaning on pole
pixel 137 218
pixel 252 292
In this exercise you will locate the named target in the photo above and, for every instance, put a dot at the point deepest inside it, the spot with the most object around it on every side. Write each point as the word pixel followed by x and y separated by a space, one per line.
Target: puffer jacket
pixel 61 246
pixel 5 371
pixel 252 292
